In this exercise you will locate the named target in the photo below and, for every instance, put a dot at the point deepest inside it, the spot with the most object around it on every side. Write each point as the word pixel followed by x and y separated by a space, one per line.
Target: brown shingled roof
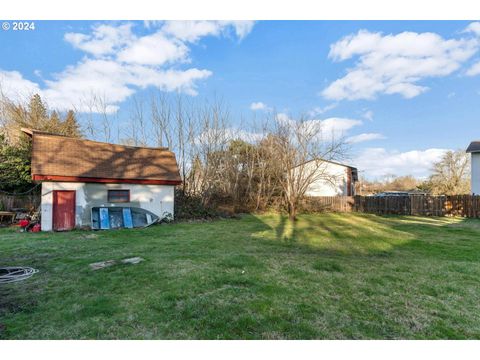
pixel 474 147
pixel 56 156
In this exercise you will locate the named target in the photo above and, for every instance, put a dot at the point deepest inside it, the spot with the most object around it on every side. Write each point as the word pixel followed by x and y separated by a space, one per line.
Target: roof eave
pixel 82 179
pixel 27 131
pixel 474 147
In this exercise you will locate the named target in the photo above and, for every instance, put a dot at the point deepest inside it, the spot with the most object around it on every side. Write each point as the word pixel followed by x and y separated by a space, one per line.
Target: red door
pixel 63 210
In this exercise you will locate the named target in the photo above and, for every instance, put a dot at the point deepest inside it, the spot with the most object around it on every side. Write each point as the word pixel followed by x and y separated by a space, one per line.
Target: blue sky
pixel 402 92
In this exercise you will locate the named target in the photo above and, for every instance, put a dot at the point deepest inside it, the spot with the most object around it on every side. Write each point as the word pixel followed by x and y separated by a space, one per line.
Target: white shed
pixel 474 150
pixel 101 185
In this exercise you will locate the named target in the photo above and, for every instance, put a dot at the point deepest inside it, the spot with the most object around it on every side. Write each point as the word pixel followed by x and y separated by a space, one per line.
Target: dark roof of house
pixel 56 156
pixel 474 147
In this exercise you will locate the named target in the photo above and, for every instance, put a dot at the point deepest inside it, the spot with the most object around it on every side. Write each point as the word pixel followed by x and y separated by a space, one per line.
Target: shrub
pixel 192 207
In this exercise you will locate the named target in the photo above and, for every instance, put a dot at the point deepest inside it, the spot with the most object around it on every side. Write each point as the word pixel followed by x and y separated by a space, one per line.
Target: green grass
pixel 335 276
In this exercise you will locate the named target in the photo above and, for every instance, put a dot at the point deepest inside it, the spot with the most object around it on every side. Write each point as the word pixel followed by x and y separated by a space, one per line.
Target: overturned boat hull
pixel 104 218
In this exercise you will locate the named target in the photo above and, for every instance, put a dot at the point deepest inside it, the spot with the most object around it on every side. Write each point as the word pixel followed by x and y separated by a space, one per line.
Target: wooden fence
pixel 419 205
pixel 9 202
pixel 328 203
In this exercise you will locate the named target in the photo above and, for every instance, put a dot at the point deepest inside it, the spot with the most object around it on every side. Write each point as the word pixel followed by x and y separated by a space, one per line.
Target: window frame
pixel 115 198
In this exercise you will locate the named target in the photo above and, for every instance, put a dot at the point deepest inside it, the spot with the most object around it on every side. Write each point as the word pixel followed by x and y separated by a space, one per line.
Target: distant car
pixel 399 193
pixel 392 193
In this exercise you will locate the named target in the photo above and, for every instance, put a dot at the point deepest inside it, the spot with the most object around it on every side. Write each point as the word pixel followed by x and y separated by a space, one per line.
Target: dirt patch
pixel 88 236
pixel 102 264
pixel 15 302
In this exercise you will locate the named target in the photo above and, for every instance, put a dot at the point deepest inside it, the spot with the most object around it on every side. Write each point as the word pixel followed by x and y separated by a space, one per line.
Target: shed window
pixel 118 196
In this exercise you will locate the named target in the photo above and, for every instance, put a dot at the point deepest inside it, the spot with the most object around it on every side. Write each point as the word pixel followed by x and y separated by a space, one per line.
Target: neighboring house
pixel 101 185
pixel 333 179
pixel 474 149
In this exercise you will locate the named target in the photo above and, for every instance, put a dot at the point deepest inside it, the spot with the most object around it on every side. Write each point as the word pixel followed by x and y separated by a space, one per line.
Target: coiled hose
pixel 11 274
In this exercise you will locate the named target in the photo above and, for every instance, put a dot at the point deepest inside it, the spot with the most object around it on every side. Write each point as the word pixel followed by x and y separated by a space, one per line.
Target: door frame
pixel 54 205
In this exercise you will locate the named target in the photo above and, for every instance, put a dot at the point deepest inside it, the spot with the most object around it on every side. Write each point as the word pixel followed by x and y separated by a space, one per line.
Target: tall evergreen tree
pixel 14 166
pixel 37 113
pixel 15 149
pixel 70 125
pixel 36 116
pixel 54 124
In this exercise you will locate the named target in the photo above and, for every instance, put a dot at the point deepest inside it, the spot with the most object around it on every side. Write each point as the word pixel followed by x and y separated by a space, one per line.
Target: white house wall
pixel 475 173
pixel 334 184
pixel 159 199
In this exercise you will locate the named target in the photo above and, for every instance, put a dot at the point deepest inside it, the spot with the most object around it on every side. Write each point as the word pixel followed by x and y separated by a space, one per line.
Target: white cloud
pixel 192 31
pixel 328 128
pixel 15 87
pixel 379 162
pixel 368 115
pixel 119 62
pixel 394 64
pixel 154 49
pixel 150 24
pixel 337 127
pixel 104 39
pixel 333 127
pixel 104 78
pixel 113 83
pixel 473 27
pixel 243 27
pixel 364 137
pixel 321 110
pixel 172 80
pixel 259 106
pixel 284 118
pixel 474 69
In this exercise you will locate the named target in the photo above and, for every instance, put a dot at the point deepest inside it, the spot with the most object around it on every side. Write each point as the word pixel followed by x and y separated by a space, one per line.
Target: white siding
pixel 334 184
pixel 158 199
pixel 475 173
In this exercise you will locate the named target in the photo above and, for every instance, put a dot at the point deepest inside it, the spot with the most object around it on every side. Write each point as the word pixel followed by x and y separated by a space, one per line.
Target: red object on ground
pixel 36 228
pixel 23 223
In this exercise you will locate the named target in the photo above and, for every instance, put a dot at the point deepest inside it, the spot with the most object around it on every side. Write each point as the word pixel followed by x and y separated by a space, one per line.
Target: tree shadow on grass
pixel 325 276
pixel 392 276
pixel 373 235
pixel 453 239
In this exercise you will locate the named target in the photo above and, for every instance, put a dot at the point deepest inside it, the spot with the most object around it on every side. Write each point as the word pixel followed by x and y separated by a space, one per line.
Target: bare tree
pixel 103 110
pixel 280 157
pixel 173 126
pixel 210 146
pixel 303 150
pixel 88 105
pixel 139 129
pixel 161 118
pixel 450 175
pixel 266 171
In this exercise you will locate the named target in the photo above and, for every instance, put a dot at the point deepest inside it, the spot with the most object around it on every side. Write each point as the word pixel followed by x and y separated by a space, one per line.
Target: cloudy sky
pixel 401 92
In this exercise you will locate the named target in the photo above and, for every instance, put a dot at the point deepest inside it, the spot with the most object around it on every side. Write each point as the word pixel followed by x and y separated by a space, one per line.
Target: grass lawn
pixel 332 276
